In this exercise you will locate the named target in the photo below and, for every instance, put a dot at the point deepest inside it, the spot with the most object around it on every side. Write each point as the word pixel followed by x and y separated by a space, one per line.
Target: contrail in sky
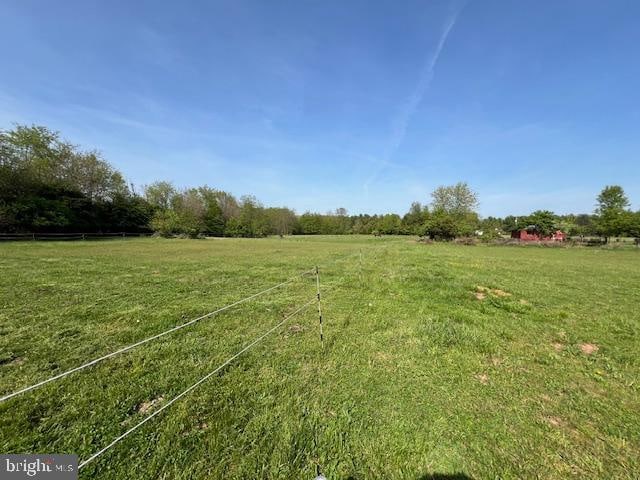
pixel 401 123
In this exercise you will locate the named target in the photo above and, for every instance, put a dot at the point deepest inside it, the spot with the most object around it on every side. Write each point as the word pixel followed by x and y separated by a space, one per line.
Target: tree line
pixel 50 185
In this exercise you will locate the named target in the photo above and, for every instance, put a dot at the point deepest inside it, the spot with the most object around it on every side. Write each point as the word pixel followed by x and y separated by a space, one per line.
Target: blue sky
pixel 325 104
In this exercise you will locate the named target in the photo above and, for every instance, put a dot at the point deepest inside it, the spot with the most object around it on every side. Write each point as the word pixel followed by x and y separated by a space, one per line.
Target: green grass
pixel 417 375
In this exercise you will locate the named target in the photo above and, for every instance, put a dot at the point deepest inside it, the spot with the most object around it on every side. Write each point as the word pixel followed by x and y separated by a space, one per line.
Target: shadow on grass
pixel 437 476
pixel 445 476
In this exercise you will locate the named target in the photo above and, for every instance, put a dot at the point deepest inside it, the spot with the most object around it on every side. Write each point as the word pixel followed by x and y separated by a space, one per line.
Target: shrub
pixel 441 227
pixel 165 223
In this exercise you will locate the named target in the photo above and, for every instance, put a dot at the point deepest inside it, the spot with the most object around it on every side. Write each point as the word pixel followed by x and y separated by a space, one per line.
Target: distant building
pixel 531 234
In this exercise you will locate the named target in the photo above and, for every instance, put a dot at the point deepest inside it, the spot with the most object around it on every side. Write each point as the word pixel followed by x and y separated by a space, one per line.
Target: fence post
pixel 319 307
pixel 319 475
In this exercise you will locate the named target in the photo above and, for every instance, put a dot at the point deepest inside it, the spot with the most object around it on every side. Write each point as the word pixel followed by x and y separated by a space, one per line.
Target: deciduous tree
pixel 610 210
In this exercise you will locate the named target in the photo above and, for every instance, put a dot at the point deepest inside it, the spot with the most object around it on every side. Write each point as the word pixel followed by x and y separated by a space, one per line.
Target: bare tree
pixel 228 204
pixel 341 212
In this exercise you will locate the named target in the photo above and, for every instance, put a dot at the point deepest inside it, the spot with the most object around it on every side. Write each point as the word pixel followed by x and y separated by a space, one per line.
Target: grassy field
pixel 482 361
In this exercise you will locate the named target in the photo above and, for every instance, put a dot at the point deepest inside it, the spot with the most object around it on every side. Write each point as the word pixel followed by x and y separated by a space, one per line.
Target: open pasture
pixel 483 361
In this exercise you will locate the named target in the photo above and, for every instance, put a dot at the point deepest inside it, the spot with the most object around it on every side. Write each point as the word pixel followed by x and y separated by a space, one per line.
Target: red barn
pixel 531 234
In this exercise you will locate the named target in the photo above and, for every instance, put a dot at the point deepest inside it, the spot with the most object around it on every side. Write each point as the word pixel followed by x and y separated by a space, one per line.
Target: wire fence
pixel 154 337
pixel 314 271
pixel 12 237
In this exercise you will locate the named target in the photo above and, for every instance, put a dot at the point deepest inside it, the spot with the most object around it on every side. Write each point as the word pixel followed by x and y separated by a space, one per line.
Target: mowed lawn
pixel 482 361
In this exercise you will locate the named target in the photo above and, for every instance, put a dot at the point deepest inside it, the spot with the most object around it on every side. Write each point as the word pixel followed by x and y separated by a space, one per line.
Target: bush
pixel 165 223
pixel 441 227
pixel 490 235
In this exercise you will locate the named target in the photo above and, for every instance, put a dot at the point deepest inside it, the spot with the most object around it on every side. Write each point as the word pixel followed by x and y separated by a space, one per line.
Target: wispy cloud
pixel 412 102
pixel 408 109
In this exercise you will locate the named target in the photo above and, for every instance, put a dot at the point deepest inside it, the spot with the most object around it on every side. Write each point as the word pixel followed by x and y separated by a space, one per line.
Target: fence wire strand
pixel 192 387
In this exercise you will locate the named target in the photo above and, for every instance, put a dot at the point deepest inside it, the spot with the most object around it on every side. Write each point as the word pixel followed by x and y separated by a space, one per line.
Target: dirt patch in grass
pixel 483 378
pixel 496 361
pixel 500 293
pixel 383 356
pixel 146 407
pixel 555 421
pixel 11 359
pixel 480 295
pixel 482 292
pixel 295 328
pixel 557 346
pixel 589 348
pixel 17 361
